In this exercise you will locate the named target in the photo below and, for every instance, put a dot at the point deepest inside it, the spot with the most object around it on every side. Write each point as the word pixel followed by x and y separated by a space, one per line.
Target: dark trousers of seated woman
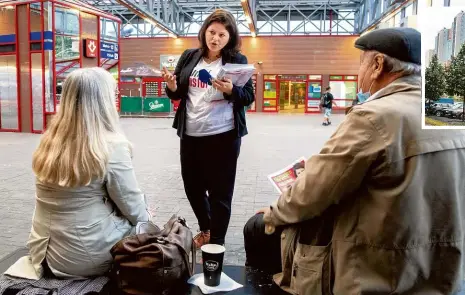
pixel 262 251
pixel 208 164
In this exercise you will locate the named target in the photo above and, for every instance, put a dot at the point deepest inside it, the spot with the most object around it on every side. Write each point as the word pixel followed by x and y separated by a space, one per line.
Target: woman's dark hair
pixel 225 18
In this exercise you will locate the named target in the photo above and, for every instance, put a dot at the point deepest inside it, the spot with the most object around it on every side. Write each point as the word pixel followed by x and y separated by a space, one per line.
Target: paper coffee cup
pixel 212 256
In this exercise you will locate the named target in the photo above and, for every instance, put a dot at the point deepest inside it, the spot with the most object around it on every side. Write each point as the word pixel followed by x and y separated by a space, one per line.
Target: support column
pixel 25 68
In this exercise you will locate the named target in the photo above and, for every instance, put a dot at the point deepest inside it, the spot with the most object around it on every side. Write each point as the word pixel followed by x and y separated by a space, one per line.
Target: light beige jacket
pixel 75 228
pixel 381 209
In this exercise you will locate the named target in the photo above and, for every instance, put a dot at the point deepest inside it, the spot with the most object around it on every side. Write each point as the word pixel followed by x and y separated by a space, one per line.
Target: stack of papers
pixel 238 73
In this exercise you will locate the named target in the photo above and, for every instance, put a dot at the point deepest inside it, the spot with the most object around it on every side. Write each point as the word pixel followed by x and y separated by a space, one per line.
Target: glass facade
pixel 109 49
pixel 67 42
pixel 9 111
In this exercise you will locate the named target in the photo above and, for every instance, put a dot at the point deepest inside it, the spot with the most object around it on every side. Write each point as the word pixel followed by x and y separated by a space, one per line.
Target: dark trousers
pixel 208 165
pixel 262 251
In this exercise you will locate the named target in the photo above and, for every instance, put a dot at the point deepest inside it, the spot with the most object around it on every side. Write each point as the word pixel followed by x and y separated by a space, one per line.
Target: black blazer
pixel 241 97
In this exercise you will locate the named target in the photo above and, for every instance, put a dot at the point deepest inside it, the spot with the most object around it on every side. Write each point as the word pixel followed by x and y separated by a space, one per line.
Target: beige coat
pixel 396 196
pixel 74 229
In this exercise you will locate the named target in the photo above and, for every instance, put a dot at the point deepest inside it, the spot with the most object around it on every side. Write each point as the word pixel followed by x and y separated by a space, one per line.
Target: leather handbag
pixel 156 261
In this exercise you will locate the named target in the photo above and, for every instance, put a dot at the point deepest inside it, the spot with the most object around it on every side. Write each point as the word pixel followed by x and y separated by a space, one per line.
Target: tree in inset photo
pixel 455 77
pixel 435 84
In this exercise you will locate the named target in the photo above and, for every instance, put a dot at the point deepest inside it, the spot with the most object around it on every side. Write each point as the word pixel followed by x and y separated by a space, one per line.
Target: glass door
pixel 252 107
pixel 292 96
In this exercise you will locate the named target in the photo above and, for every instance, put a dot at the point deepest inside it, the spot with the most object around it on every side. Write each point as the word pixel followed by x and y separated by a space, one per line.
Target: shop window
pixel 37 92
pixel 346 90
pixel 36 46
pixel 397 19
pixel 8 48
pixel 270 90
pixel 59 22
pixel 35 24
pixel 66 47
pixel 67 41
pixel 252 107
pixel 409 10
pixel 72 23
pixel 269 104
pixel 314 89
pixel 66 21
pixel 9 110
pixel 35 6
pixel 108 29
pixel 62 70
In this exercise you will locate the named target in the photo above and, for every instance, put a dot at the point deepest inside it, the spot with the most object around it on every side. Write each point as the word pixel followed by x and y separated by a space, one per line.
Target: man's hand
pixel 224 85
pixel 269 228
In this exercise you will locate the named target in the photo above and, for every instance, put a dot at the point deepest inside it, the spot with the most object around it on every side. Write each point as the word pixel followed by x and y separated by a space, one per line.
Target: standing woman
pixel 210 121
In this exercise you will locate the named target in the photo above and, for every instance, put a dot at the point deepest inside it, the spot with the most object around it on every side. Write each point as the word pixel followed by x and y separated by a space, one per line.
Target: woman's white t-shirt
pixel 208 113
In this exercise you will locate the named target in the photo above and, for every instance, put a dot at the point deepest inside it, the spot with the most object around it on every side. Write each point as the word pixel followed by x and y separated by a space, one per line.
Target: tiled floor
pixel 273 142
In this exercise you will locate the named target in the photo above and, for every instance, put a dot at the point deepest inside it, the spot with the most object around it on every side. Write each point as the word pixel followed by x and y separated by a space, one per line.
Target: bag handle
pixel 182 220
pixel 167 230
pixel 185 256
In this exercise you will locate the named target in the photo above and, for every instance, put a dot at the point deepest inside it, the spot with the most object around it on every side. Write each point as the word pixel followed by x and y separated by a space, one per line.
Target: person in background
pixel 210 121
pixel 328 101
pixel 87 195
pixel 374 212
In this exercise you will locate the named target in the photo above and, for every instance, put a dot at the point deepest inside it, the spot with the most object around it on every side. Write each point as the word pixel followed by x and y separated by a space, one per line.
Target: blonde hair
pixel 75 148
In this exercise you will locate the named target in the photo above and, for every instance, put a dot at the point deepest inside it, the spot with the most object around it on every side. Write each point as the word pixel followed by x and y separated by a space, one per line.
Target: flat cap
pixel 401 43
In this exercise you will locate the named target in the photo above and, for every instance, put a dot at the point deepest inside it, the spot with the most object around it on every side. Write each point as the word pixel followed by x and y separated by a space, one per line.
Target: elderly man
pixel 381 209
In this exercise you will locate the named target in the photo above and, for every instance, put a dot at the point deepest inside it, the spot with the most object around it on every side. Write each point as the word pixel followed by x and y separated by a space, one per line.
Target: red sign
pixel 91 48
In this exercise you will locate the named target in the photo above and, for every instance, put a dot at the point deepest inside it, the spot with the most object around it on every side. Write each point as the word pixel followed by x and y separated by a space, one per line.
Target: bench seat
pixel 254 282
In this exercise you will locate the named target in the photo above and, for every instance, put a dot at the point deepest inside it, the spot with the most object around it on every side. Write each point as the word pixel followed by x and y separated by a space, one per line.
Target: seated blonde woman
pixel 87 195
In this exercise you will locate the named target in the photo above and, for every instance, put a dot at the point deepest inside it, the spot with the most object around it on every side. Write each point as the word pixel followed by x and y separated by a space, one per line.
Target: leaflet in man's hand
pixel 285 177
pixel 238 73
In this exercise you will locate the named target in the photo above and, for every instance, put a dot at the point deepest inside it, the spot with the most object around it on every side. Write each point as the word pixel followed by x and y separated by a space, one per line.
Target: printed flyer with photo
pixel 285 177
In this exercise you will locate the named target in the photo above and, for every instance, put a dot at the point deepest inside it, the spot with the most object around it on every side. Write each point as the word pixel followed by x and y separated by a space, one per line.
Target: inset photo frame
pixel 442 27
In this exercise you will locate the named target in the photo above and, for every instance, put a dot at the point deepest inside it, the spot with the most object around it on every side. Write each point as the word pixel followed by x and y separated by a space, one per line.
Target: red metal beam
pixel 64 69
pixel 31 113
pixel 18 76
pixel 43 69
